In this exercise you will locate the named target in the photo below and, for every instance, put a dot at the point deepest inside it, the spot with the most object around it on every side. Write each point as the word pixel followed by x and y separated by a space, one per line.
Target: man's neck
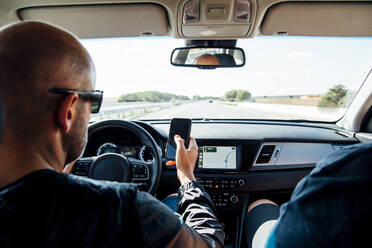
pixel 20 158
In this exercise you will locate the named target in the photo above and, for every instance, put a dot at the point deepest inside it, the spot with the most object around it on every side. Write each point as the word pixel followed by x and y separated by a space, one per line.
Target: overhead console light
pixel 216 19
pixel 242 11
pixel 191 12
pixel 217 11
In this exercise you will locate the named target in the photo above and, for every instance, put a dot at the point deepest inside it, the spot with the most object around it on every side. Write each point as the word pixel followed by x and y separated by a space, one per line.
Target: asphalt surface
pixel 217 110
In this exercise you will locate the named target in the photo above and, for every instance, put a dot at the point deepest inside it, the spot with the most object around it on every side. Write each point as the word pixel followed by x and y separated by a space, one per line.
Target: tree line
pixel 156 96
pixel 337 96
pixel 151 96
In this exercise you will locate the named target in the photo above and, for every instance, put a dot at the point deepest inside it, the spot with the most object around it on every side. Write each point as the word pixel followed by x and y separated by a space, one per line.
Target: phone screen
pixel 179 126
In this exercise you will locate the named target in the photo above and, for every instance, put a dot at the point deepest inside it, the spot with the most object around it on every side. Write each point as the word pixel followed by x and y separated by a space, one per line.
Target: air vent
pixel 265 154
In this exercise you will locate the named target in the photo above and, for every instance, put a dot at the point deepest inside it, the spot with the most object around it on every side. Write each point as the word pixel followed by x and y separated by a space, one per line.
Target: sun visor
pixel 318 19
pixel 98 21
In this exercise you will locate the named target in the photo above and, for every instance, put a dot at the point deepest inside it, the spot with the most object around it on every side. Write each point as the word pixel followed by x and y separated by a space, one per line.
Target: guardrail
pixel 129 111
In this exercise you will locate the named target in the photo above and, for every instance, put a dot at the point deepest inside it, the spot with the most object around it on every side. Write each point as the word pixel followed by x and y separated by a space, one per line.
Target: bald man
pixel 207 59
pixel 47 85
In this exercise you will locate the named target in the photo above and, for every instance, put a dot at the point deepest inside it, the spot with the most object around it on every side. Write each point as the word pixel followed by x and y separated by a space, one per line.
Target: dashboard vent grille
pixel 265 154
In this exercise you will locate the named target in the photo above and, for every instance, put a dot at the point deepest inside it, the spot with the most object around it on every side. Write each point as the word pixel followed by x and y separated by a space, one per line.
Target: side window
pixel 366 125
pixel 369 126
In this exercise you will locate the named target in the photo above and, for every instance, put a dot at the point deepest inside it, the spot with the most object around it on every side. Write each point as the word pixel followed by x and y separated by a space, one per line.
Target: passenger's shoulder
pixel 357 155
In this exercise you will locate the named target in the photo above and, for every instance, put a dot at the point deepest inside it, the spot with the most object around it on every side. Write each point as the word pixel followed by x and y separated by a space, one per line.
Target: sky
pixel 274 66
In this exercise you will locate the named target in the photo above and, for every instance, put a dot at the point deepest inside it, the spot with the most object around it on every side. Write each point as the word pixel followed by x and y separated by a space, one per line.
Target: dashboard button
pixel 234 199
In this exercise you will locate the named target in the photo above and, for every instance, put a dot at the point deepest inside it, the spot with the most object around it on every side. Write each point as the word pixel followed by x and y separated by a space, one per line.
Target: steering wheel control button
pixel 81 168
pixel 140 171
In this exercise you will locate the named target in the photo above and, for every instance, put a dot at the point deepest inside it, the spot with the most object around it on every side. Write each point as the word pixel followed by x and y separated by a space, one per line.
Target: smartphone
pixel 179 126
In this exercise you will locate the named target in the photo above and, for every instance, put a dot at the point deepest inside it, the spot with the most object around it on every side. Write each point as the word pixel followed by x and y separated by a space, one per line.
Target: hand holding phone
pixel 185 159
pixel 181 127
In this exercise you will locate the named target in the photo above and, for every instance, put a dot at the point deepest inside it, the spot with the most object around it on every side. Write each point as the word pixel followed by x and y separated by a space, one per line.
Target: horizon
pixel 277 96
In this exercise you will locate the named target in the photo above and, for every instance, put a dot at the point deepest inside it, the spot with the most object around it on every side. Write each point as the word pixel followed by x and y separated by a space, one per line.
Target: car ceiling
pixel 108 18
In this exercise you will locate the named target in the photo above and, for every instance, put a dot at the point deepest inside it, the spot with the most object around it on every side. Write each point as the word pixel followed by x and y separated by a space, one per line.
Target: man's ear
pixel 67 112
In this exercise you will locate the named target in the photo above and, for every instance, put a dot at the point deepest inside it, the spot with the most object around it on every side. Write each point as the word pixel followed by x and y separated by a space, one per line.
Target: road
pixel 218 110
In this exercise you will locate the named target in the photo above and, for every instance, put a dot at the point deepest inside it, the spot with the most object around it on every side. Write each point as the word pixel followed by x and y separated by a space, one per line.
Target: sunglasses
pixel 95 97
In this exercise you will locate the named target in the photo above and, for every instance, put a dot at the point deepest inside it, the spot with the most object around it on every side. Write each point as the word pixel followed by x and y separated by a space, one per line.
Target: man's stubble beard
pixel 76 141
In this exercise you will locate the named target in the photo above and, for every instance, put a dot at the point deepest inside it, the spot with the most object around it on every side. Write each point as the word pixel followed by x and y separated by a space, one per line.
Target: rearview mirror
pixel 208 57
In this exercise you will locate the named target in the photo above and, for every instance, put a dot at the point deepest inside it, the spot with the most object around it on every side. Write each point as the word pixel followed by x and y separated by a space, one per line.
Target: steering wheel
pixel 119 168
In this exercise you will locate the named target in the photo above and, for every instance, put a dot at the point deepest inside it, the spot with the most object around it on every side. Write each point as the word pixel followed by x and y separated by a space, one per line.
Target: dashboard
pixel 280 153
pixel 238 161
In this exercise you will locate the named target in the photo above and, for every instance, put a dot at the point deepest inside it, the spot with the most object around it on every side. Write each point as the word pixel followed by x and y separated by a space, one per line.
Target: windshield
pixel 285 78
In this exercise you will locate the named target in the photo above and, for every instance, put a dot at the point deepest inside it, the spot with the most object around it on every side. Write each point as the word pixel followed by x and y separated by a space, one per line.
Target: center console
pixel 228 201
pixel 220 191
pixel 221 169
pixel 231 204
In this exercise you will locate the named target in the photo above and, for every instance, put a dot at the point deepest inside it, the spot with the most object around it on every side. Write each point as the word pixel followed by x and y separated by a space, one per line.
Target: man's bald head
pixel 34 57
pixel 207 59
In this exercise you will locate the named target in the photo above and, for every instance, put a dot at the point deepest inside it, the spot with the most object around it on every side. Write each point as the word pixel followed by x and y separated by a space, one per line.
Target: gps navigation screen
pixel 217 157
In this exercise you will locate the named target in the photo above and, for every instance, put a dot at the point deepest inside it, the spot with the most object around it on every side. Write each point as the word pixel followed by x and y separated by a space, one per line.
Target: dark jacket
pixel 332 206
pixel 49 209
